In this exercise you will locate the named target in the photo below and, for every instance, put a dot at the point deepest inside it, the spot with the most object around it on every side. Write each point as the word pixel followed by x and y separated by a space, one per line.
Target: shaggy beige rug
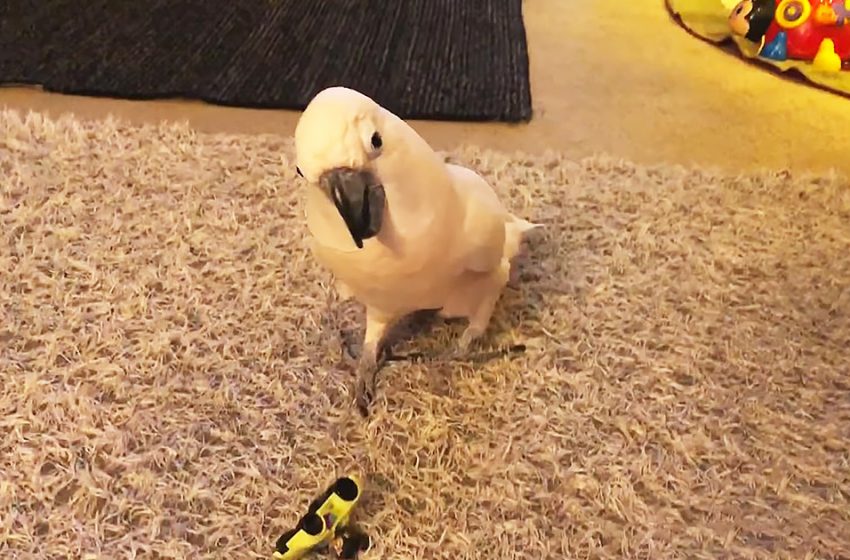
pixel 172 380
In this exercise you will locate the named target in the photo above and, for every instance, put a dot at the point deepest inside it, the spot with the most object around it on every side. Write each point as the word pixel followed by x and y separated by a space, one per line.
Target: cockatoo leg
pixel 343 291
pixel 477 327
pixel 480 317
pixel 377 326
pixel 467 338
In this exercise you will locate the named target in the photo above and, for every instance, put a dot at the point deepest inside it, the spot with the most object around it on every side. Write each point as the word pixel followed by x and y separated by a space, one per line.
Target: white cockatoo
pixel 400 229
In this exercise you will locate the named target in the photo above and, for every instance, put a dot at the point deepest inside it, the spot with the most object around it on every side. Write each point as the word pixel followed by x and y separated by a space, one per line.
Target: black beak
pixel 359 198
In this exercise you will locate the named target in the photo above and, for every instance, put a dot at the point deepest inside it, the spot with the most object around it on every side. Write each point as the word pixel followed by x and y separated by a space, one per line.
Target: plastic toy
pixel 808 30
pixel 326 521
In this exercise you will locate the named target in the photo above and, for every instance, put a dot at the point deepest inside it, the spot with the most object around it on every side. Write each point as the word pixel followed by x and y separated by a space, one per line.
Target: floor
pixel 175 386
pixel 607 77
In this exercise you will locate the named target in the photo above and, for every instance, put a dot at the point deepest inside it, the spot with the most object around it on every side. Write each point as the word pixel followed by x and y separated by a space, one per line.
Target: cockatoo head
pixel 338 138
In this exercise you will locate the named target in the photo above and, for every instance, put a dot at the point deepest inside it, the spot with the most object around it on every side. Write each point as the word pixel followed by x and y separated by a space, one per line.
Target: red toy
pixel 810 30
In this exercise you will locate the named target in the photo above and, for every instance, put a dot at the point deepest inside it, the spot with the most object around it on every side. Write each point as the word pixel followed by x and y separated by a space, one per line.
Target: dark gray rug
pixel 427 59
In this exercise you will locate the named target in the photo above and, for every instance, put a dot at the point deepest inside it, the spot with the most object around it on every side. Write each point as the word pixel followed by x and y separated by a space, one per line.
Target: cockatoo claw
pixel 364 390
pixel 363 396
pixel 467 339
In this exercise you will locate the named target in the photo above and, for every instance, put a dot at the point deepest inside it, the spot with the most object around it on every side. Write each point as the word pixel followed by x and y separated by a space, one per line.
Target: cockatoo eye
pixel 298 170
pixel 373 144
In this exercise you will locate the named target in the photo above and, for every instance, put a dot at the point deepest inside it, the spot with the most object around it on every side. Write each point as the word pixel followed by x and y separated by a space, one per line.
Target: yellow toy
pixel 326 520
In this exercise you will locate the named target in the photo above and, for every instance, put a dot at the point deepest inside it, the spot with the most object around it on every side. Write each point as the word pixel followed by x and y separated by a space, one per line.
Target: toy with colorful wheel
pixel 816 31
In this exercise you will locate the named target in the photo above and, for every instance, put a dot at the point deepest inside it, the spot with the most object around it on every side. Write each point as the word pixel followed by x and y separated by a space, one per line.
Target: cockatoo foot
pixel 467 340
pixel 367 368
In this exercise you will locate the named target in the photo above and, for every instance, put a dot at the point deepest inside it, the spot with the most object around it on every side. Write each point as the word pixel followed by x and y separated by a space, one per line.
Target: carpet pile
pixel 172 380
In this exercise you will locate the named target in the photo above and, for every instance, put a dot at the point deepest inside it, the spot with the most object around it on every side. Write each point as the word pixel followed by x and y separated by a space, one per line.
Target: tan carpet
pixel 171 383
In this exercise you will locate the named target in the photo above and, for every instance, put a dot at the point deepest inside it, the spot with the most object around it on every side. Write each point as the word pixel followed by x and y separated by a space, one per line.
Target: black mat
pixel 428 59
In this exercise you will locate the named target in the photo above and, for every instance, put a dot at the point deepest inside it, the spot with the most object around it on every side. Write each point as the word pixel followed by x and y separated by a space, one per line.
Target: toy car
pixel 326 517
